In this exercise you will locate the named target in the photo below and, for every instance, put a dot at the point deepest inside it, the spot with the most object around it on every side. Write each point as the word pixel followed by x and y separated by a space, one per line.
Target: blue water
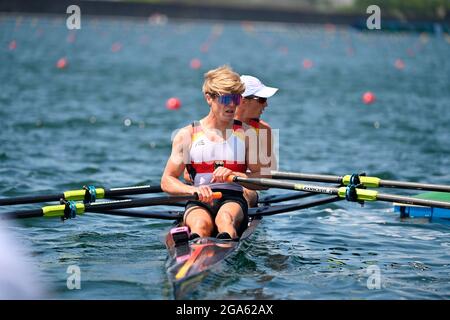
pixel 102 120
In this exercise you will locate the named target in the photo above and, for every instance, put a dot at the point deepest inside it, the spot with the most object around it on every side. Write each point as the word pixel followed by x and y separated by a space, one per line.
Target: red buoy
pixel 399 64
pixel 12 45
pixel 116 47
pixel 62 63
pixel 307 64
pixel 173 103
pixel 195 63
pixel 368 97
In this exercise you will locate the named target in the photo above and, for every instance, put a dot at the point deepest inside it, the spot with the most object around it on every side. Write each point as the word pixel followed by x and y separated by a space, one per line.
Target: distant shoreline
pixel 214 12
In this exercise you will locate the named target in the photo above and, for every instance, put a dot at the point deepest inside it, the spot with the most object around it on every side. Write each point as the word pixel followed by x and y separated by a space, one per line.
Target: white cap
pixel 254 87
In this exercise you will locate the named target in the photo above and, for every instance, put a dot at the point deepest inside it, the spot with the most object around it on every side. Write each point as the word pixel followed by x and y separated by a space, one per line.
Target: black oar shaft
pixel 22 214
pixel 169 215
pixel 274 198
pixel 271 210
pixel 80 208
pixel 414 185
pixel 306 177
pixel 361 194
pixel 135 203
pixel 78 195
pixel 132 190
pixel 271 183
pixel 286 197
pixel 372 182
pixel 31 199
pixel 413 201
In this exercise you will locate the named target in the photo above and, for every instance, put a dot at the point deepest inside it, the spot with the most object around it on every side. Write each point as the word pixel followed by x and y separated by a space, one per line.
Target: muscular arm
pixel 176 164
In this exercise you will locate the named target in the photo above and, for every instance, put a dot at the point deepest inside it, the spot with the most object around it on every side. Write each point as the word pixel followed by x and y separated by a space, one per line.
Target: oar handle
pixel 215 195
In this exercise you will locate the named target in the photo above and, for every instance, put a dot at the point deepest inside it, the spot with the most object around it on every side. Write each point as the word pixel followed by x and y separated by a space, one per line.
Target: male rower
pixel 249 112
pixel 213 149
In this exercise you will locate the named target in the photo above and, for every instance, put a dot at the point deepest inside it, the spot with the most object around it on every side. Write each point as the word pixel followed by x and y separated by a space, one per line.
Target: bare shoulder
pixel 264 125
pixel 182 135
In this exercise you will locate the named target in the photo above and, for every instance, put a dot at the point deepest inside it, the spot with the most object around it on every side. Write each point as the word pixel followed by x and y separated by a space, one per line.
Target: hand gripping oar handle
pixel 231 178
pixel 215 195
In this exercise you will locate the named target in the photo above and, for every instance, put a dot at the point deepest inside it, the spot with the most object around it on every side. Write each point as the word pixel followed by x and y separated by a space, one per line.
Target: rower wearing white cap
pixel 249 111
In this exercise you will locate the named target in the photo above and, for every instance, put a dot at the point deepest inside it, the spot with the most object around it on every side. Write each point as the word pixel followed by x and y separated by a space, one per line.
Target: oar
pixel 282 208
pixel 264 200
pixel 275 198
pixel 78 195
pixel 163 215
pixel 370 182
pixel 258 211
pixel 71 209
pixel 359 195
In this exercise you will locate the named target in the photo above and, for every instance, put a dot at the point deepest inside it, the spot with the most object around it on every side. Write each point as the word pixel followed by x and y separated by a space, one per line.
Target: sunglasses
pixel 226 99
pixel 260 100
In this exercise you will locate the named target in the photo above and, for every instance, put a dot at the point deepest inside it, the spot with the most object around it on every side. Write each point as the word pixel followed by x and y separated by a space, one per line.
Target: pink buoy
pixel 62 63
pixel 173 103
pixel 12 45
pixel 399 64
pixel 368 97
pixel 204 47
pixel 116 47
pixel 307 64
pixel 195 64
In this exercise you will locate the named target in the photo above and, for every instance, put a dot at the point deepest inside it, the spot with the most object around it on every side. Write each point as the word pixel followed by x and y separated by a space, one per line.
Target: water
pixel 102 120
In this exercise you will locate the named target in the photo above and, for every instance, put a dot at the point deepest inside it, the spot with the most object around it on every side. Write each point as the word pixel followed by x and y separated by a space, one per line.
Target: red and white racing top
pixel 206 156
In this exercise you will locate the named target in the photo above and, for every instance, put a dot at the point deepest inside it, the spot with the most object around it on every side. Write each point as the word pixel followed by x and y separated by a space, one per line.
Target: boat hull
pixel 189 263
